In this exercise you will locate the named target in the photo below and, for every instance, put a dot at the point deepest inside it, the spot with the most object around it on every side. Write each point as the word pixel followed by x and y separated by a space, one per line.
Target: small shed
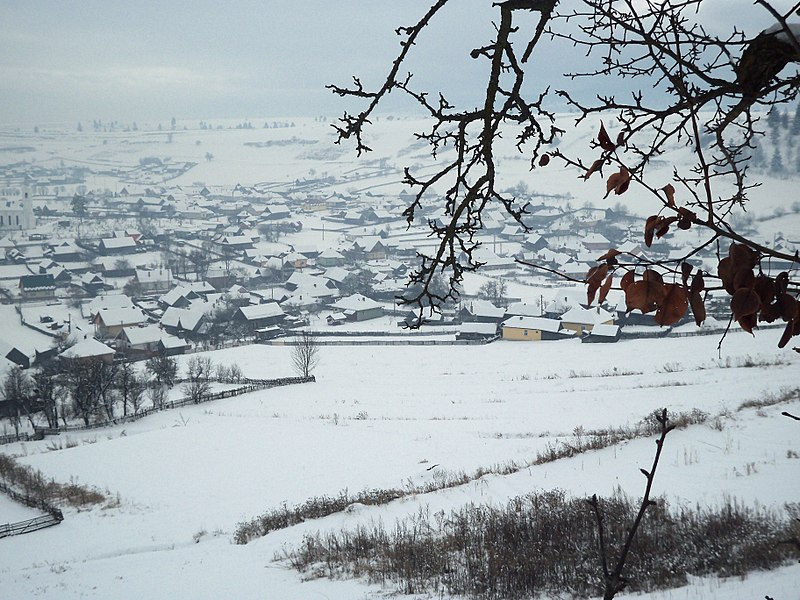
pixel 602 334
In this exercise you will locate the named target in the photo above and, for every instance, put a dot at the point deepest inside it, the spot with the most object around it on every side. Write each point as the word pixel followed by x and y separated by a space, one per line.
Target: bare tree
pixel 305 354
pixel 15 392
pixel 199 370
pixel 157 394
pixel 129 386
pixel 695 88
pixel 88 384
pixel 163 368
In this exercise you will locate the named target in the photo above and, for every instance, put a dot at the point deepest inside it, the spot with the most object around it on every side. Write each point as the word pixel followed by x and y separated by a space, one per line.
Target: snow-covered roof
pixel 87 348
pixel 356 302
pixel 120 316
pixel 540 323
pixel 261 311
pixel 479 328
pixel 586 316
pixel 603 330
pixel 107 302
pixel 117 243
pixel 160 276
pixel 186 318
pixel 143 335
pixel 523 309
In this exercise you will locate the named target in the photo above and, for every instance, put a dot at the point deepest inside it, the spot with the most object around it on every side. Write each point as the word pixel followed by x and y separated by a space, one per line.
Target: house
pixel 359 308
pixel 170 345
pixel 594 242
pixel 534 329
pixel 116 245
pixel 337 275
pixel 64 250
pixel 114 267
pixel 154 280
pixel 477 331
pixel 296 260
pixel 481 311
pixel 259 316
pixel 17 355
pixel 111 301
pixel 276 211
pixel 89 350
pixel 336 319
pixel 148 341
pixel 602 334
pixel 92 283
pixel 186 322
pixel 582 320
pixel 110 322
pixel 37 286
pixel 179 297
pixel 271 332
pixel 330 258
pixel 523 309
pixel 371 248
pixel 236 243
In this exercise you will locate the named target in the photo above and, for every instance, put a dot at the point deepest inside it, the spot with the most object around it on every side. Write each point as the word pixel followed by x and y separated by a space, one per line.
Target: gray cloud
pixel 111 59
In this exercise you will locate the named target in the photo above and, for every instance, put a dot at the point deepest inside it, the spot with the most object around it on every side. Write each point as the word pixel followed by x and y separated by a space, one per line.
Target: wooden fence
pixel 383 342
pixel 52 517
pixel 249 385
pixel 28 526
pixel 11 438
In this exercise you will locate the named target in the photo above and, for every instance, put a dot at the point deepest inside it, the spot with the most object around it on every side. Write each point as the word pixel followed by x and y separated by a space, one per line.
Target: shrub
pixel 546 543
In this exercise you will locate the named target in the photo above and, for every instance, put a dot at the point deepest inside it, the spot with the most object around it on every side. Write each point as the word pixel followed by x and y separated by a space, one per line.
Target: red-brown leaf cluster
pixel 757 297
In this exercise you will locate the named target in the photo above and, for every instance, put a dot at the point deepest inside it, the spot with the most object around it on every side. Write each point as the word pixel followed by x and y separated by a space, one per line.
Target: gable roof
pixel 540 323
pixel 119 316
pixel 87 348
pixel 37 282
pixel 261 311
pixel 182 318
pixel 586 316
pixel 356 302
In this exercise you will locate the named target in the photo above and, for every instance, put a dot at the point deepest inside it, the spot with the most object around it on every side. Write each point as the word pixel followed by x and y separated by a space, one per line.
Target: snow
pixel 379 416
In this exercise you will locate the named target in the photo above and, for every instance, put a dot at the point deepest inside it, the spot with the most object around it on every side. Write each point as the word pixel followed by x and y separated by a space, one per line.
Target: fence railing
pixel 52 517
pixel 383 342
pixel 21 437
pixel 250 385
pixel 28 526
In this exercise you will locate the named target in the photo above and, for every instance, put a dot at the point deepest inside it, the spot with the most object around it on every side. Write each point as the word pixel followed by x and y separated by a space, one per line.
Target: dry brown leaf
pixel 698 307
pixel 618 182
pixel 604 289
pixel 745 302
pixel 596 166
pixel 604 140
pixel 674 305
pixel 626 280
pixel 669 192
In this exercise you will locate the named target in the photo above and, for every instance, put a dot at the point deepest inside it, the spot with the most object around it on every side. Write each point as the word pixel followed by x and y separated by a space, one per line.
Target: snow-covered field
pixel 380 417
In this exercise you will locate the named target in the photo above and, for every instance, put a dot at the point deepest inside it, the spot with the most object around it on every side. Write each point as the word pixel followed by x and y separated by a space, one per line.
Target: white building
pixel 16 210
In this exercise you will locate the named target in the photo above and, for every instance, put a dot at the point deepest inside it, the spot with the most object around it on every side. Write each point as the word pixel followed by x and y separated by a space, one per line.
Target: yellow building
pixel 533 329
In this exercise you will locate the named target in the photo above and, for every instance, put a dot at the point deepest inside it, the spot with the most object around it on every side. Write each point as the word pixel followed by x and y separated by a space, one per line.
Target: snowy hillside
pixel 380 417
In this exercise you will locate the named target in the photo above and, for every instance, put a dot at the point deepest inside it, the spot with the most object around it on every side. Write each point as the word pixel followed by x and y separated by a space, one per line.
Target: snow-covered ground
pixel 379 417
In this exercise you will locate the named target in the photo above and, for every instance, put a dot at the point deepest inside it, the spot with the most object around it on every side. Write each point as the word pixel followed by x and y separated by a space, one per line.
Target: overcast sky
pixel 151 60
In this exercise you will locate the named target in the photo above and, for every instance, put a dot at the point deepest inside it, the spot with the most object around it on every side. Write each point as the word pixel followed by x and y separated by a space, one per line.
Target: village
pixel 170 269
